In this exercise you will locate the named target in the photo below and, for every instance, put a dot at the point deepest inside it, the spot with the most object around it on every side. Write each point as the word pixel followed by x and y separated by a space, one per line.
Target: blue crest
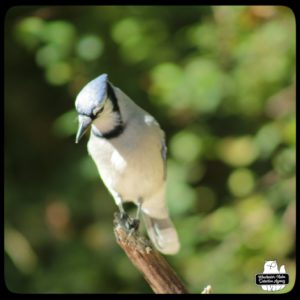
pixel 92 95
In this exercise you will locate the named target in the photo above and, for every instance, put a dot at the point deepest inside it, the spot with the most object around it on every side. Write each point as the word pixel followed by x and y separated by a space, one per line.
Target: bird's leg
pixel 139 209
pixel 119 202
pixel 121 209
pixel 126 221
pixel 136 221
pixel 123 218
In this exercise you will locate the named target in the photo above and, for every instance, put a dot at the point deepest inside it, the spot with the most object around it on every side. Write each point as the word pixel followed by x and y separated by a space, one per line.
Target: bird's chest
pixel 128 165
pixel 108 159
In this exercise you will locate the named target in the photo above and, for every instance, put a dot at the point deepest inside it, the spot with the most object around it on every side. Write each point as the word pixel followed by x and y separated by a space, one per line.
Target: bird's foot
pixel 135 224
pixel 130 224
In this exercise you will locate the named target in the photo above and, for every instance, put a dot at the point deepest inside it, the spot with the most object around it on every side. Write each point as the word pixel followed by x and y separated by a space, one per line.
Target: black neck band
pixel 119 128
pixel 112 97
pixel 117 131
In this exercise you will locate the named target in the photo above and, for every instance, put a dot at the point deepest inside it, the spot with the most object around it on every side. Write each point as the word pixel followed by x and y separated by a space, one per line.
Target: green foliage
pixel 221 82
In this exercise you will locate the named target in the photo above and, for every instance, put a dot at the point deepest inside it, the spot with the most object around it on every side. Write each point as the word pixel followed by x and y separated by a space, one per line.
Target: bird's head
pixel 90 103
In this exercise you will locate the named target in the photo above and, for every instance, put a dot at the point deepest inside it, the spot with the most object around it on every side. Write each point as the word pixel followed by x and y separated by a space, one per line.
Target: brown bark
pixel 155 269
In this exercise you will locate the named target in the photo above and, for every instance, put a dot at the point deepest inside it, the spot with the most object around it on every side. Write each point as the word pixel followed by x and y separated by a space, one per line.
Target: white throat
pixel 107 120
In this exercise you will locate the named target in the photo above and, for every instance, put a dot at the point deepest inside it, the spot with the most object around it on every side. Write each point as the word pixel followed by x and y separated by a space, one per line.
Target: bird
pixel 129 149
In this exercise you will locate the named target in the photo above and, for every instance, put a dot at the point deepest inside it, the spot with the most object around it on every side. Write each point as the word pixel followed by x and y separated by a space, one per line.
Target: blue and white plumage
pixel 128 148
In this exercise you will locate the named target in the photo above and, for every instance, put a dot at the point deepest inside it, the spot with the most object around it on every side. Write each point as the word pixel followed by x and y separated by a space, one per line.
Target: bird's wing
pixel 164 150
pixel 150 121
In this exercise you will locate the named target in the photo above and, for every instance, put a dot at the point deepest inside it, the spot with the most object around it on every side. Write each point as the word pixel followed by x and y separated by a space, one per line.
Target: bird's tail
pixel 162 233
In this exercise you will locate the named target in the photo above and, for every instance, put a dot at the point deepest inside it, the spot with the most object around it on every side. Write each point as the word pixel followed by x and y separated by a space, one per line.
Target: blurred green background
pixel 220 81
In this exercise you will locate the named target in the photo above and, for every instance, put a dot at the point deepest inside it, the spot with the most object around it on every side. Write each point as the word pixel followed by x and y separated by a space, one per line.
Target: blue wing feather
pixel 164 150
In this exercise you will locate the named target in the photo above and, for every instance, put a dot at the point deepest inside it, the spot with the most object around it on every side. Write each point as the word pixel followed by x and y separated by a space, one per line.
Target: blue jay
pixel 129 150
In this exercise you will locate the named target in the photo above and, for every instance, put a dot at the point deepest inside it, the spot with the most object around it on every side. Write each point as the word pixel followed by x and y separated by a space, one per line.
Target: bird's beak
pixel 84 122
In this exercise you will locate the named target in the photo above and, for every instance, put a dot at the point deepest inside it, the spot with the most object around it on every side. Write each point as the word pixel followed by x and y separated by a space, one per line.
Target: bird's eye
pixel 97 110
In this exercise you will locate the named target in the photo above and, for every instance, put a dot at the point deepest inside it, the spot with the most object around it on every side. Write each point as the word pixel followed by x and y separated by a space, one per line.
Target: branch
pixel 157 272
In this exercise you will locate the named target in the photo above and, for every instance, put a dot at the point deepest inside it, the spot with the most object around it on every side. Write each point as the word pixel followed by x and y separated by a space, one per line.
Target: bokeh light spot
pixel 90 47
pixel 29 31
pixel 222 222
pixel 289 132
pixel 186 146
pixel 180 196
pixel 66 124
pixel 285 161
pixel 240 151
pixel 126 30
pixel 59 73
pixel 60 33
pixel 48 55
pixel 267 139
pixel 241 182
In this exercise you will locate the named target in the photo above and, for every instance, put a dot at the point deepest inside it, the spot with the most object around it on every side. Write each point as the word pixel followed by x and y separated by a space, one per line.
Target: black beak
pixel 84 122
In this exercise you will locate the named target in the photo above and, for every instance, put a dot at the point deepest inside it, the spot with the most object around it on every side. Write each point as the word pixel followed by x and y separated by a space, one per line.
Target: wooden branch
pixel 157 272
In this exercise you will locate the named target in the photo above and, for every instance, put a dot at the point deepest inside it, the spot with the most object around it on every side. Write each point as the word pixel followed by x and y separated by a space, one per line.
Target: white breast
pixel 130 164
pixel 118 162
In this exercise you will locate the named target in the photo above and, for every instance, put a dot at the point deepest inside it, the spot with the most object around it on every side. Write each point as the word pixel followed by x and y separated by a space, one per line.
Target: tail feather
pixel 162 233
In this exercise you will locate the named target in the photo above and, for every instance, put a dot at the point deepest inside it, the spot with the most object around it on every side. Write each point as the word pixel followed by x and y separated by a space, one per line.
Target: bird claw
pixel 135 224
pixel 130 224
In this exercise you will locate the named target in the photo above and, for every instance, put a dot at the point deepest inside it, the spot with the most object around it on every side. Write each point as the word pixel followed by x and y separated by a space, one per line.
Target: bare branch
pixel 157 272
